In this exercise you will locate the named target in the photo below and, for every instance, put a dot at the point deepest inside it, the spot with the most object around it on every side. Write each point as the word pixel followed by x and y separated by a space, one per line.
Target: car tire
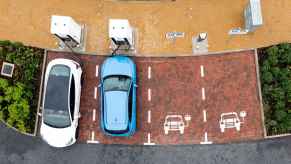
pixel 82 79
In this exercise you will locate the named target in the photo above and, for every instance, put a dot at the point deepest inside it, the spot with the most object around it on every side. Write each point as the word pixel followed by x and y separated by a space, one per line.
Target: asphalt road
pixel 19 149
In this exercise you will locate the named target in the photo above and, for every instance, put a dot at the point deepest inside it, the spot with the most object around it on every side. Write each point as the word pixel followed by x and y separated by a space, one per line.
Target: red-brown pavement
pixel 176 84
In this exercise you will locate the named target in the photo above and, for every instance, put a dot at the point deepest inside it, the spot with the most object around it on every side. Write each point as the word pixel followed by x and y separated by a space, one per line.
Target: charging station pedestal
pixel 70 34
pixel 122 36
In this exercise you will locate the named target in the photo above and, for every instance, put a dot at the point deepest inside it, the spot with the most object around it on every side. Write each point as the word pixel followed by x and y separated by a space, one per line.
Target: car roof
pixel 57 90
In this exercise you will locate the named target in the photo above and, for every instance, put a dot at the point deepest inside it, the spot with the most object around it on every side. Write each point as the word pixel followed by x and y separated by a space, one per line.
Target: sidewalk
pixel 29 22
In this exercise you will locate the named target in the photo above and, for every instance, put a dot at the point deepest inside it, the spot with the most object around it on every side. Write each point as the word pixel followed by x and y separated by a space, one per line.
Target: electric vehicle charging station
pixel 253 18
pixel 121 35
pixel 69 33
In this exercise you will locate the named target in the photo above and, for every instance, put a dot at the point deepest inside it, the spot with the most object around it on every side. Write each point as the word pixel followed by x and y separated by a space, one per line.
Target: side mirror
pixel 39 114
pixel 135 85
pixel 99 85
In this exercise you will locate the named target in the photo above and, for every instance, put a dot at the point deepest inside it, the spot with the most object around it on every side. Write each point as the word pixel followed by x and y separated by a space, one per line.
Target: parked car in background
pixel 118 96
pixel 61 102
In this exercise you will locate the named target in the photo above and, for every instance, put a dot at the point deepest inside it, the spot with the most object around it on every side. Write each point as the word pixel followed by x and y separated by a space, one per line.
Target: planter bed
pixel 19 93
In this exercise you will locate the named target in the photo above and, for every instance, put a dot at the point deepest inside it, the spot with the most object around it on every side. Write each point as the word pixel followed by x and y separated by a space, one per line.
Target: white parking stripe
pixel 95 93
pixel 149 140
pixel 206 139
pixel 94 114
pixel 202 70
pixel 149 94
pixel 204 116
pixel 203 94
pixel 149 72
pixel 149 116
pixel 92 140
pixel 92 136
pixel 97 70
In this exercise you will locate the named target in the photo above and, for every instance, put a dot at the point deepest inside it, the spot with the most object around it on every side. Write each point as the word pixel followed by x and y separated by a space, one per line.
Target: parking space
pixel 183 100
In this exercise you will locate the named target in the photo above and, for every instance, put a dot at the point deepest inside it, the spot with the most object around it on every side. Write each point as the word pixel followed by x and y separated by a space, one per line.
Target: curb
pixel 40 92
pixel 11 127
pixel 160 56
pixel 260 93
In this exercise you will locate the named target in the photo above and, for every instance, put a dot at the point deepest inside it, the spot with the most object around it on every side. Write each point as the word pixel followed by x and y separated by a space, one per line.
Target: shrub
pixel 275 69
pixel 18 96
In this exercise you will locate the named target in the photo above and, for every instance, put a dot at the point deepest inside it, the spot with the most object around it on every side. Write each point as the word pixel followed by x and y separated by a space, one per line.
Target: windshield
pixel 56 109
pixel 117 83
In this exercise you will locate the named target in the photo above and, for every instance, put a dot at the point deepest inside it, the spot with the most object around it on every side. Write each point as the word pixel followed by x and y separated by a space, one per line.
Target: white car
pixel 229 120
pixel 174 123
pixel 61 102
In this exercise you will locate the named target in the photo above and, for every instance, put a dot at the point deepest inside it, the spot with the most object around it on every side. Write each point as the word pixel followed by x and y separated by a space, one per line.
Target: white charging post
pixel 121 34
pixel 253 18
pixel 68 32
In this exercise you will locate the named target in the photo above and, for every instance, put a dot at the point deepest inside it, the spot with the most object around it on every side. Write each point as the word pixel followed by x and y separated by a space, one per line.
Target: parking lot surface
pixel 181 100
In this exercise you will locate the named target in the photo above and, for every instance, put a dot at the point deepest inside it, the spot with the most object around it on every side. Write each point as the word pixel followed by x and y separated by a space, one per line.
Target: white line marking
pixel 92 136
pixel 202 70
pixel 203 93
pixel 97 70
pixel 94 114
pixel 149 116
pixel 95 93
pixel 149 94
pixel 149 72
pixel 204 116
pixel 206 139
pixel 93 142
pixel 149 140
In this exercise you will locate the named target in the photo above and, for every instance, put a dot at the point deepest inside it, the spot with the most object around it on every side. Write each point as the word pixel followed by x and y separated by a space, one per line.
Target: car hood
pixel 116 111
pixel 57 137
pixel 118 66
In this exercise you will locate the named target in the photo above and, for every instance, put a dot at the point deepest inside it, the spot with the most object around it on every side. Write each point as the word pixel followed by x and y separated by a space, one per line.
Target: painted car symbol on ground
pixel 231 120
pixel 176 123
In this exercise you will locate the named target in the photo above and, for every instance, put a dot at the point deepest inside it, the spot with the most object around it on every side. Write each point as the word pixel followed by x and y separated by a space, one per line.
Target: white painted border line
pixel 202 70
pixel 203 93
pixel 149 72
pixel 206 140
pixel 149 116
pixel 149 140
pixel 93 142
pixel 97 70
pixel 204 116
pixel 94 115
pixel 92 136
pixel 149 94
pixel 95 93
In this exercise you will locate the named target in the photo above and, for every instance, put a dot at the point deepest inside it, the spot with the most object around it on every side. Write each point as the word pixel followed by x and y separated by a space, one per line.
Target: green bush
pixel 18 95
pixel 275 70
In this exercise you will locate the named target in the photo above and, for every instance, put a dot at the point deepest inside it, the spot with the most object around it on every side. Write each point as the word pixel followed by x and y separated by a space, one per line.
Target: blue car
pixel 118 96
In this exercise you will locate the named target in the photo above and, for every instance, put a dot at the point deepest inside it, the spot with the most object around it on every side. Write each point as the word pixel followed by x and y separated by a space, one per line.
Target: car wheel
pixel 82 79
pixel 77 133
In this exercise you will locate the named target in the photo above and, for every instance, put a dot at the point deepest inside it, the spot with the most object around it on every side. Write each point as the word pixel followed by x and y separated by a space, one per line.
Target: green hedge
pixel 275 70
pixel 19 95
